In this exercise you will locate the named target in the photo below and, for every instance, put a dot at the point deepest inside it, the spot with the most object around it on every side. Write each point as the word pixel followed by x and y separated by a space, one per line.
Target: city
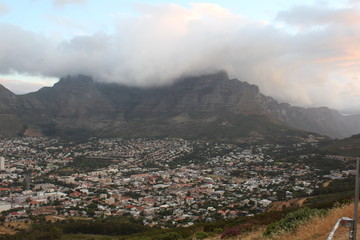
pixel 163 182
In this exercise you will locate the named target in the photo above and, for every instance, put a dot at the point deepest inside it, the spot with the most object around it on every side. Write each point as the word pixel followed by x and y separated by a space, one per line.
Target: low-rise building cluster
pixel 162 181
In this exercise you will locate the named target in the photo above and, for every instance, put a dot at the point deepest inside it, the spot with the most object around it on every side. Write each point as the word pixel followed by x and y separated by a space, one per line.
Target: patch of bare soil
pixel 13 227
pixel 295 202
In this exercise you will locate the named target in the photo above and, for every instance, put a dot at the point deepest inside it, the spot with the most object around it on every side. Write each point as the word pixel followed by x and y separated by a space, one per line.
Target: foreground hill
pixel 295 224
pixel 317 228
pixel 206 107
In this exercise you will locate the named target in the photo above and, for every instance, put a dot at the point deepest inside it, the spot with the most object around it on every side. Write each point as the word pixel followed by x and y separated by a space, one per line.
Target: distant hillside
pixel 345 147
pixel 204 107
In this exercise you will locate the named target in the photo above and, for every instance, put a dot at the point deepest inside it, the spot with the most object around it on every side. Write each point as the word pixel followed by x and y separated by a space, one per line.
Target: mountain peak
pixel 4 90
pixel 220 75
pixel 74 80
pixel 210 78
pixel 7 100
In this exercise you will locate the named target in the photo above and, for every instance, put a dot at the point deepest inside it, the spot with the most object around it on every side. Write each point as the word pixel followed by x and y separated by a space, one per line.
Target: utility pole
pixel 356 202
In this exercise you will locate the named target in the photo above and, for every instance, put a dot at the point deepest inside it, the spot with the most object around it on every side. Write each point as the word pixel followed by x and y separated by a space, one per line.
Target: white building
pixel 2 163
pixel 4 206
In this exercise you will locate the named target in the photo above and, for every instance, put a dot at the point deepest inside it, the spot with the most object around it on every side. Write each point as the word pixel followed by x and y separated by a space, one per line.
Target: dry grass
pixel 13 227
pixel 6 230
pixel 319 228
pixel 256 235
pixel 315 229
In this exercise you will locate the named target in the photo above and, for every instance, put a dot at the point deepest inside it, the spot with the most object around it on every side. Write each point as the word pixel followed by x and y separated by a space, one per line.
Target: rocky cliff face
pixel 10 123
pixel 322 120
pixel 210 106
pixel 8 101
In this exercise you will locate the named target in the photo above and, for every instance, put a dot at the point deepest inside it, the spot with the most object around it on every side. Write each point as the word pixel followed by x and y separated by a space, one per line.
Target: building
pixel 2 163
pixel 4 206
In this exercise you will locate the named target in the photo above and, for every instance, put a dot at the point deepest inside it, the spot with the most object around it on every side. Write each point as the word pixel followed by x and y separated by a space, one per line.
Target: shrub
pixel 292 221
pixel 168 236
pixel 232 232
pixel 200 235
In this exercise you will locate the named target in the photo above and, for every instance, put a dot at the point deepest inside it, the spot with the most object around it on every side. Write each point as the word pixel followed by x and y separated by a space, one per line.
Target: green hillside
pixel 345 147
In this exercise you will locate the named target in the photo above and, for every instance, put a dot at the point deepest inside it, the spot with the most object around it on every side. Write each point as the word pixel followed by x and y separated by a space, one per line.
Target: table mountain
pixel 206 107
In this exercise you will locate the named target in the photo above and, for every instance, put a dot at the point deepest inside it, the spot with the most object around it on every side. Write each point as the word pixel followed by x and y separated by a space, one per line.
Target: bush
pixel 168 236
pixel 200 235
pixel 292 221
pixel 232 232
pixel 108 227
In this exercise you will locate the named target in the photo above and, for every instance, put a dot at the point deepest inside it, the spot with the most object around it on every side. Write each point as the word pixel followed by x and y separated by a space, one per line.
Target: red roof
pixel 75 194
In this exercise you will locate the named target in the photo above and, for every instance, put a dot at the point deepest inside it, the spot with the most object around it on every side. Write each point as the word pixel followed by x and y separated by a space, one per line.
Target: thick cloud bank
pixel 312 61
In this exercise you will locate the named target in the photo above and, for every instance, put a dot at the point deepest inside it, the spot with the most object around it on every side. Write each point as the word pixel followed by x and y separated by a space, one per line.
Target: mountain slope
pixel 8 101
pixel 320 120
pixel 209 107
pixel 10 123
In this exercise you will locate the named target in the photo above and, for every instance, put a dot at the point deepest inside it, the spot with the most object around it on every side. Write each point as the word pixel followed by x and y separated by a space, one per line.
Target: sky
pixel 306 54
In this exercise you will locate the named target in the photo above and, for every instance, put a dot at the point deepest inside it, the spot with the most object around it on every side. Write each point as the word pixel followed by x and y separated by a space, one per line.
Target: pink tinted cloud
pixel 164 42
pixel 309 16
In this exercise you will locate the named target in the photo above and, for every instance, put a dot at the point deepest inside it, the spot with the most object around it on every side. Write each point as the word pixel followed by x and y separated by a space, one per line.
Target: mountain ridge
pixel 213 103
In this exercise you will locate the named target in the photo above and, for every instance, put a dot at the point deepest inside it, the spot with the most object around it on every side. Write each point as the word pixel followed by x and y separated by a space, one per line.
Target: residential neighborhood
pixel 166 182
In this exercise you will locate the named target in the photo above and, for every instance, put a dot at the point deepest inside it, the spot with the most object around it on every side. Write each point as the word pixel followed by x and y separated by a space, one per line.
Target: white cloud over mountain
pixel 312 61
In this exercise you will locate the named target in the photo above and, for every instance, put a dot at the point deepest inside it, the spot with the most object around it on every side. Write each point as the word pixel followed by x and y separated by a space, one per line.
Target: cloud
pixel 3 8
pixel 312 67
pixel 62 3
pixel 310 16
pixel 354 2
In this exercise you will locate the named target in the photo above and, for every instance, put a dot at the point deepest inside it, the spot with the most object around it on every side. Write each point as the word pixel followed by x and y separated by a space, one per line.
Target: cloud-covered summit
pixel 313 60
